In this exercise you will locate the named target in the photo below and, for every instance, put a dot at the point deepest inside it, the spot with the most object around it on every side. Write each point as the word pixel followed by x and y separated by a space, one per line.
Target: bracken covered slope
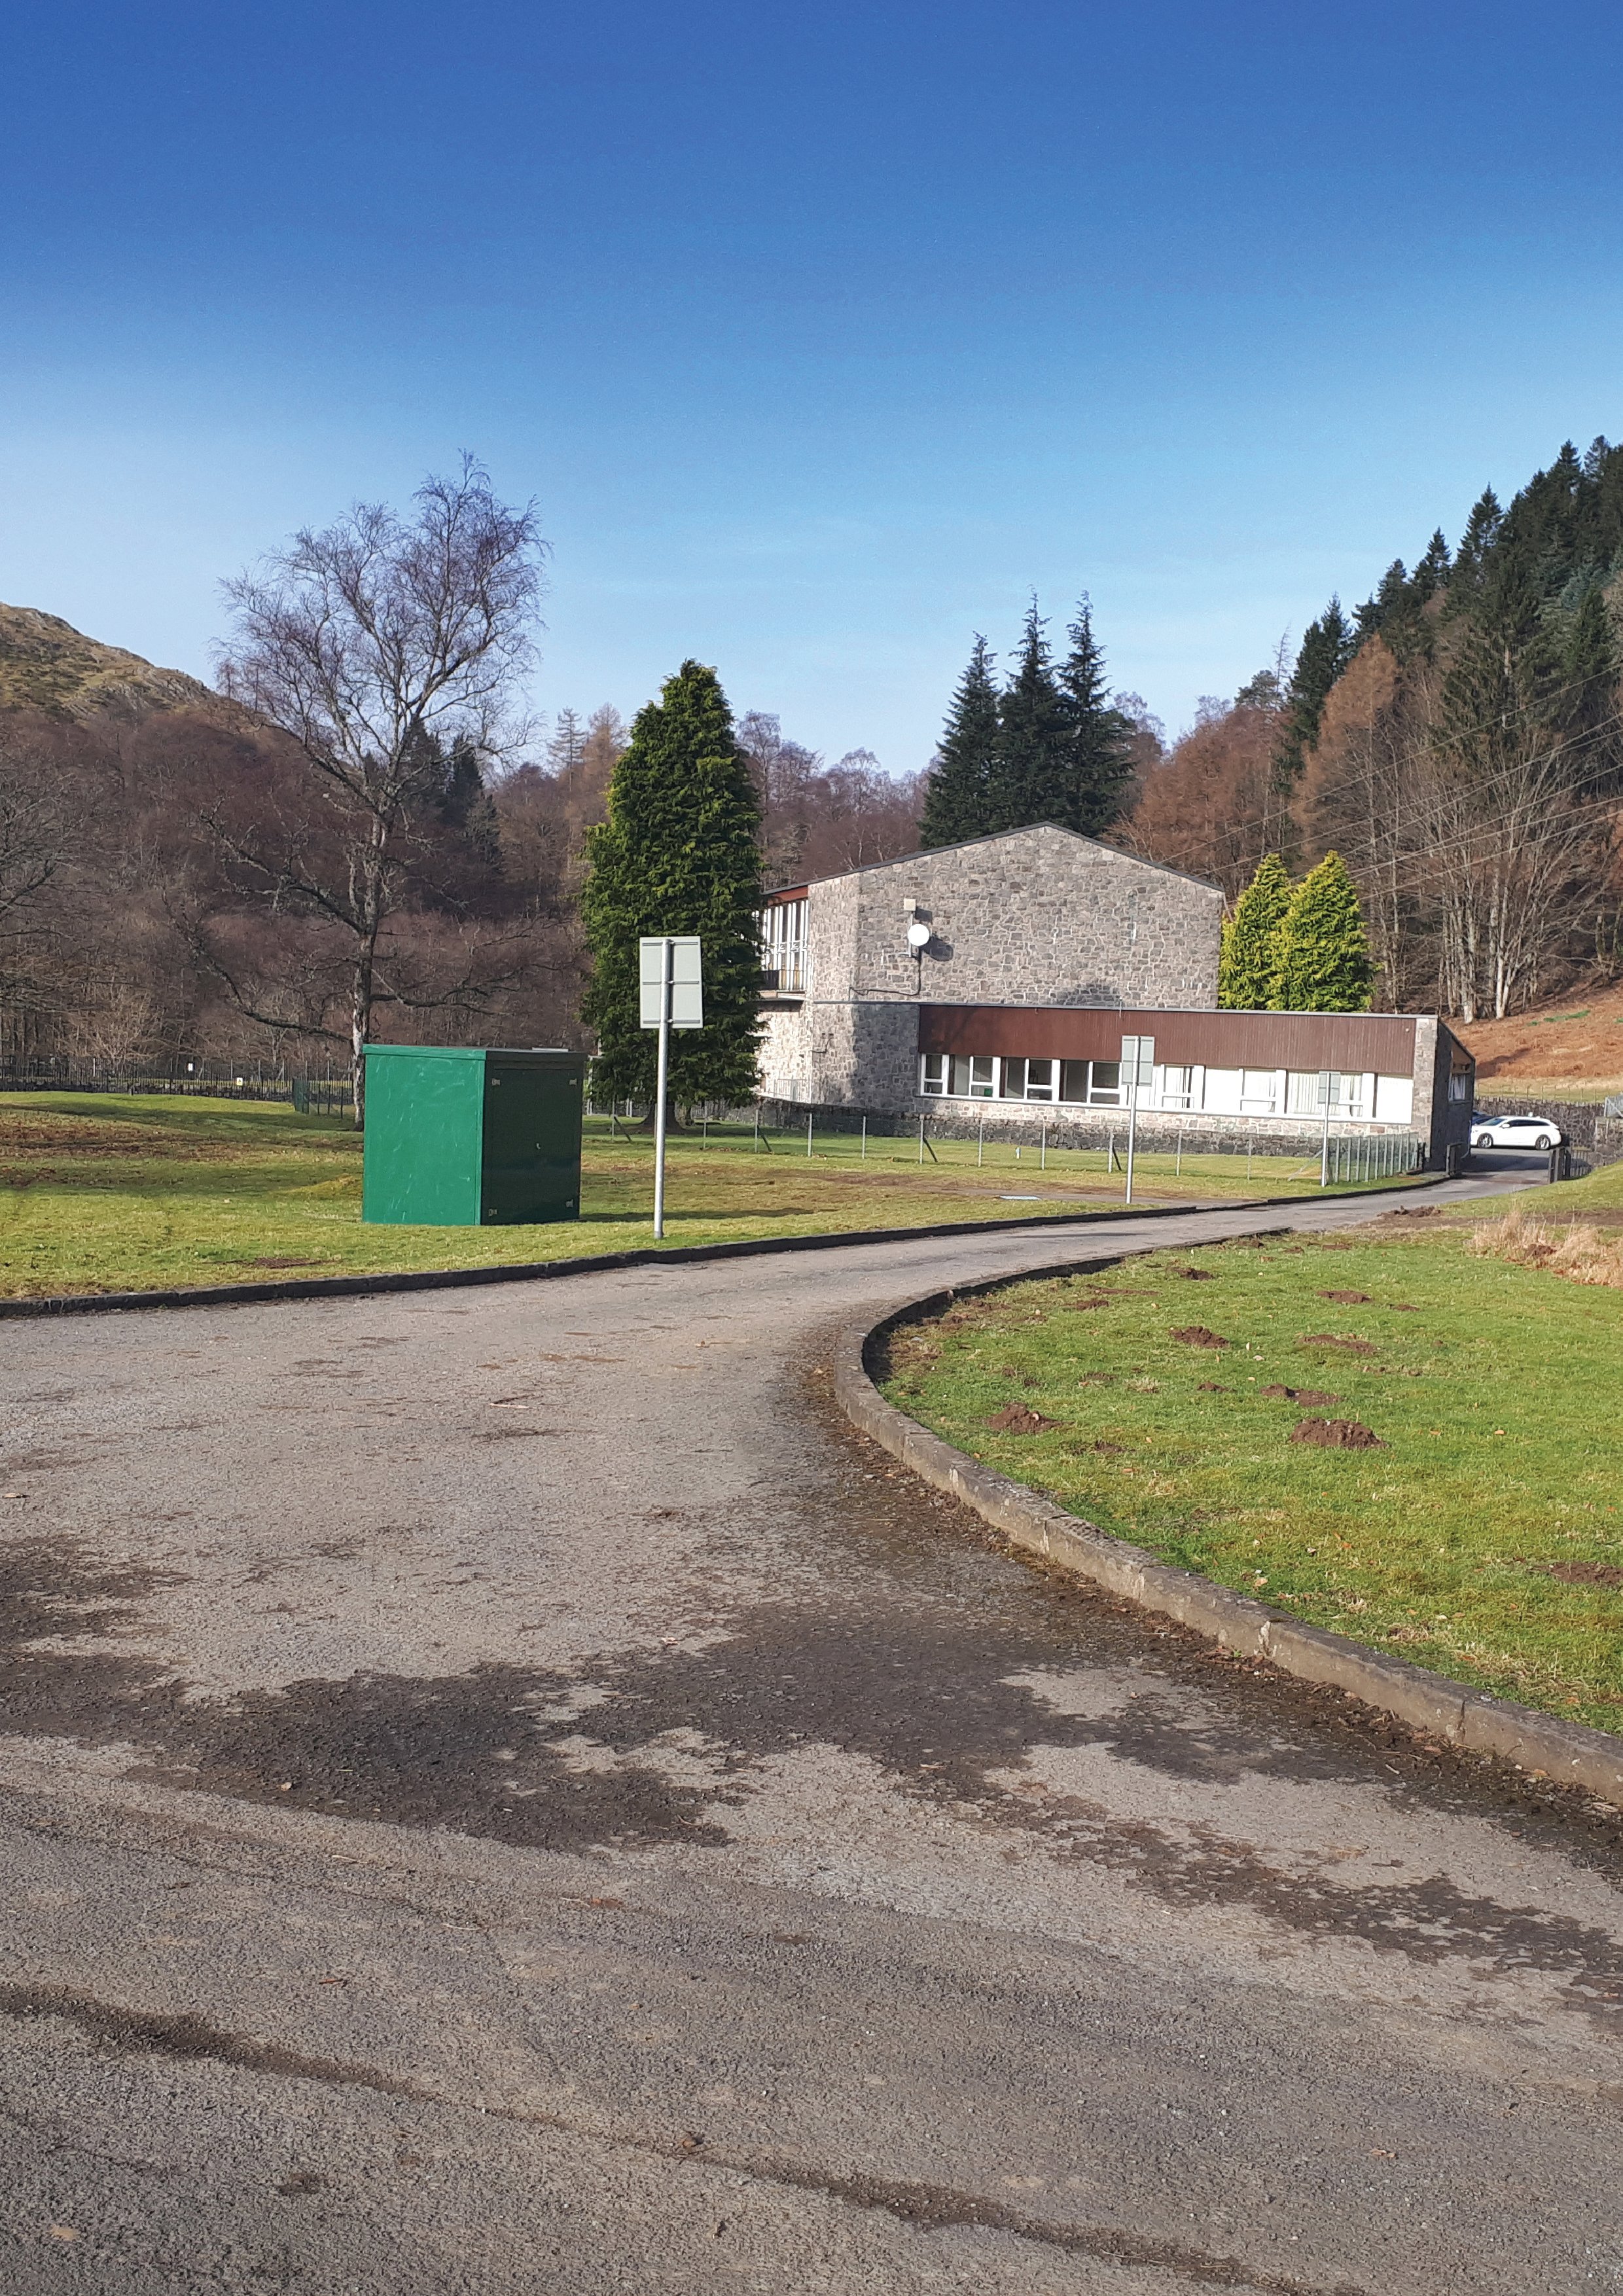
pixel 46 664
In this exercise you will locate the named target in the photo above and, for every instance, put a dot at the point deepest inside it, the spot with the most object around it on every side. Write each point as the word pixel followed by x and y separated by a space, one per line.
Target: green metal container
pixel 460 1137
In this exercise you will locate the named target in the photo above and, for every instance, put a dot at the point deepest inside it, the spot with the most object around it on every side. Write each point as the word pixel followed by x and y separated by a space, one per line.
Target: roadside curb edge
pixel 1570 1753
pixel 533 1271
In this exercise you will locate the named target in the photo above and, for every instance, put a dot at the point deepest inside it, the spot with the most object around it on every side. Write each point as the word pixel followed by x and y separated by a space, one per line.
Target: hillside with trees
pixel 1456 739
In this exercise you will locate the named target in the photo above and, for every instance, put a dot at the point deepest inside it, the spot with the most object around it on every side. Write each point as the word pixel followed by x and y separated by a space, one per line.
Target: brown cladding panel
pixel 1381 1043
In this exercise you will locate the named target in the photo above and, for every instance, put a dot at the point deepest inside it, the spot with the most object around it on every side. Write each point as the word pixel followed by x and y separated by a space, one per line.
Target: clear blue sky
pixel 821 335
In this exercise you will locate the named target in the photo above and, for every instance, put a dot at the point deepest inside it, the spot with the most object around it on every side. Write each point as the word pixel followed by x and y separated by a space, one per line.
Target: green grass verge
pixel 108 1193
pixel 1485 1539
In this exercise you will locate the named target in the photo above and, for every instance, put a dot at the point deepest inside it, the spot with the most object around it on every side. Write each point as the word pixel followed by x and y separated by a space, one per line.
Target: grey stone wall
pixel 1036 916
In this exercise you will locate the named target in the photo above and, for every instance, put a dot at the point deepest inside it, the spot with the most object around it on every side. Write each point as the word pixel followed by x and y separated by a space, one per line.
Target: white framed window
pixel 1258 1092
pixel 1395 1097
pixel 1091 1084
pixel 1030 1079
pixel 1177 1087
pixel 974 1076
pixel 784 947
pixel 933 1073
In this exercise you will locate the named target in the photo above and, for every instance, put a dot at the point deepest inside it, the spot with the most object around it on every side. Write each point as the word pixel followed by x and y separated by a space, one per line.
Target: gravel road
pixel 505 1792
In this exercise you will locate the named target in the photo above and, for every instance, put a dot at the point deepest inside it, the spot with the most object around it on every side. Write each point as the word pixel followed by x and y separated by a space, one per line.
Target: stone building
pixel 1039 916
pixel 991 984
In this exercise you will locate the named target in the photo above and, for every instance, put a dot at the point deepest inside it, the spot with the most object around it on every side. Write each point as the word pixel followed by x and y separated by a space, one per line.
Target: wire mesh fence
pixel 308 1095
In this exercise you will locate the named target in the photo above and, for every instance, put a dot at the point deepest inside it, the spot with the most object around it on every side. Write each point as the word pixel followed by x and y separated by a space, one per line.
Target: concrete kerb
pixel 534 1271
pixel 1566 1752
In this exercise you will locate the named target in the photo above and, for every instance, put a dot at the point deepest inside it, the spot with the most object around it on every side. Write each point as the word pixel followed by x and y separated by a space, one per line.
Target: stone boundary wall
pixel 1600 1136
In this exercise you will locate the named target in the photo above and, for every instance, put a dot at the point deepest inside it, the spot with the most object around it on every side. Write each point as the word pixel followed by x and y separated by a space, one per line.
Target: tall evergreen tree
pixel 1321 955
pixel 958 792
pixel 1247 964
pixel 1101 764
pixel 1328 645
pixel 678 854
pixel 1031 775
pixel 1476 545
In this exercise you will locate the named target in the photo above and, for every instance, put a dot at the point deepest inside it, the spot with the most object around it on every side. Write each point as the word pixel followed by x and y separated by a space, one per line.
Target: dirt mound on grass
pixel 1312 1398
pixel 1346 1340
pixel 1584 1574
pixel 1020 1419
pixel 1192 1275
pixel 1346 1298
pixel 1196 1335
pixel 1337 1435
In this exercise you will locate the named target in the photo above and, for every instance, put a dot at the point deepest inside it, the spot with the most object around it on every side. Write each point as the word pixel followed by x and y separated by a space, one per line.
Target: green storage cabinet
pixel 461 1137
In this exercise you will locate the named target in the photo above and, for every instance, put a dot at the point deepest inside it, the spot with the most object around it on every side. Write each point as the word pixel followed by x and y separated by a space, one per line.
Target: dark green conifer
pixel 1031 776
pixel 958 792
pixel 1328 645
pixel 1101 764
pixel 1321 954
pixel 679 853
pixel 1247 961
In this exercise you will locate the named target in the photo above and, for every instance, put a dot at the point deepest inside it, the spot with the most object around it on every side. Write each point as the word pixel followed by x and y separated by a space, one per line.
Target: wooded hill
pixel 134 928
pixel 1456 739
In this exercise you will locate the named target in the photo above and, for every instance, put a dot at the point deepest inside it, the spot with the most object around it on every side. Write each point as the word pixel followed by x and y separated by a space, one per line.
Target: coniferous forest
pixel 176 879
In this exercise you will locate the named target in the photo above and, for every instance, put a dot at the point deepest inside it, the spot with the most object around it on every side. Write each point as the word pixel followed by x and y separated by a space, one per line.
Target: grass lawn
pixel 1484 1539
pixel 106 1193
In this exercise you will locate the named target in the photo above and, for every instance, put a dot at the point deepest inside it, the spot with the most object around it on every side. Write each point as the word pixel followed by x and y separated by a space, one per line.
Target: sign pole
pixel 1132 1120
pixel 1325 1151
pixel 664 1065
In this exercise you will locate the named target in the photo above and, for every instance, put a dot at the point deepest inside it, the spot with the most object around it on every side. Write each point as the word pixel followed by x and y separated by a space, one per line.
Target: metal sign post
pixel 1326 1093
pixel 671 981
pixel 1137 1067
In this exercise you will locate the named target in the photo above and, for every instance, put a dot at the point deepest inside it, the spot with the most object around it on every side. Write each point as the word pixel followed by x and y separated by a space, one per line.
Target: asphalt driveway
pixel 504 1792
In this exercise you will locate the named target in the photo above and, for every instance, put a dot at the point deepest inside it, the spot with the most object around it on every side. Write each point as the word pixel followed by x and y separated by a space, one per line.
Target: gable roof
pixel 993 837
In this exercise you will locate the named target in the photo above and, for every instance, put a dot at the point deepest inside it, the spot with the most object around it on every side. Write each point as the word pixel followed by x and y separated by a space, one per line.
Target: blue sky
pixel 822 336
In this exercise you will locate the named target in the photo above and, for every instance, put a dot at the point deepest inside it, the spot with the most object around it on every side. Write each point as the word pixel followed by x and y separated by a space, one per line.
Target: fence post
pixel 808 1130
pixel 864 1139
pixel 980 1144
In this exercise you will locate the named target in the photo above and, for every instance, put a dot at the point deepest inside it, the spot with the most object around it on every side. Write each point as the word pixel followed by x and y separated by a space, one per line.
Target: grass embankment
pixel 105 1193
pixel 1483 1539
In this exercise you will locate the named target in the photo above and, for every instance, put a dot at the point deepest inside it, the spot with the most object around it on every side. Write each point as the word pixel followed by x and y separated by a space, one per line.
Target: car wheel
pixel 1543 1140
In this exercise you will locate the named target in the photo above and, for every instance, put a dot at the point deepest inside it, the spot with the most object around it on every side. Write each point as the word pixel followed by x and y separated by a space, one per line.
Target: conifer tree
pixel 678 854
pixel 957 794
pixel 1320 955
pixel 1030 775
pixel 1101 766
pixel 1328 645
pixel 1247 964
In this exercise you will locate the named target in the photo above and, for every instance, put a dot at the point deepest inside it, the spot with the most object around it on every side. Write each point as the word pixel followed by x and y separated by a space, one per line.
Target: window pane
pixel 933 1079
pixel 1014 1080
pixel 1104 1084
pixel 1073 1081
pixel 1039 1079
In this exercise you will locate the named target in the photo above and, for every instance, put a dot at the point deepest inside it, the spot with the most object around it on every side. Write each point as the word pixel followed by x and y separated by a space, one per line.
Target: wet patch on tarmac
pixel 943 1695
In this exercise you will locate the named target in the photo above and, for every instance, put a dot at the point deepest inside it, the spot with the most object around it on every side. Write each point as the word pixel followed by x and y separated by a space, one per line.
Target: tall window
pixel 783 948
pixel 1031 1079
pixel 1091 1084
pixel 1176 1087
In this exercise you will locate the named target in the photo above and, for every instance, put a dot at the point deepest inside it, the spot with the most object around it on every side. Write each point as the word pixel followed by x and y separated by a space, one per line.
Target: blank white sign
pixel 687 981
pixel 1138 1052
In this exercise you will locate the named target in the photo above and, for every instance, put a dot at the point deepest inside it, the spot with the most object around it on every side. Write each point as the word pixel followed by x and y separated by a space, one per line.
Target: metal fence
pixel 1376 1156
pixel 308 1095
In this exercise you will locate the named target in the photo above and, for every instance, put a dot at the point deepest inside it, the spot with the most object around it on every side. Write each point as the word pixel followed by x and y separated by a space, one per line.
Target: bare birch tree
pixel 379 644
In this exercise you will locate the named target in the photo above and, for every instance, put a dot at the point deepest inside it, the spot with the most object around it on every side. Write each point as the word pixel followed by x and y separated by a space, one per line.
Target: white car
pixel 1515 1132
